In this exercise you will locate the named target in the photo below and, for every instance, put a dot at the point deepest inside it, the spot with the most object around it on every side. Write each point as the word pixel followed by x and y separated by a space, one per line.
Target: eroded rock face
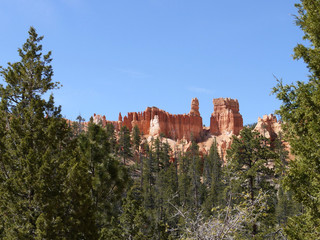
pixel 226 118
pixel 194 107
pixel 154 121
pixel 98 119
pixel 268 126
pixel 154 126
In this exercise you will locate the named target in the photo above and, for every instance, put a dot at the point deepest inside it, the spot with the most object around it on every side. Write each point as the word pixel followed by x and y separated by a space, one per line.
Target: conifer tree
pixel 108 179
pixel 135 222
pixel 213 178
pixel 248 162
pixel 148 178
pixel 39 162
pixel 80 120
pixel 286 205
pixel 195 173
pixel 184 180
pixel 111 137
pixel 300 113
pixel 136 137
pixel 125 143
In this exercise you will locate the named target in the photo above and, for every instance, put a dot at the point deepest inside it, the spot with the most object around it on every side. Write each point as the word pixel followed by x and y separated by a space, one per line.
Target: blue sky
pixel 116 56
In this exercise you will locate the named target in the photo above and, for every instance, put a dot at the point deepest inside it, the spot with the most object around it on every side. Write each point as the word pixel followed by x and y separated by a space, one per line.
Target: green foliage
pixel 302 227
pixel 124 143
pixel 136 137
pixel 213 179
pixel 111 137
pixel 61 182
pixel 184 179
pixel 108 179
pixel 249 161
pixel 135 222
pixel 286 206
pixel 43 189
pixel 300 112
pixel 195 174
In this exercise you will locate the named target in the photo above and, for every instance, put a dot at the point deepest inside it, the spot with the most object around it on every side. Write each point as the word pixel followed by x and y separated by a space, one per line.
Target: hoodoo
pixel 225 121
pixel 154 121
pixel 226 118
pixel 268 126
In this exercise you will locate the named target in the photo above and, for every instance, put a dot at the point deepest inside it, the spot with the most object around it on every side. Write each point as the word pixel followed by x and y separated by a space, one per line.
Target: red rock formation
pixel 194 107
pixel 226 118
pixel 98 119
pixel 154 121
pixel 268 126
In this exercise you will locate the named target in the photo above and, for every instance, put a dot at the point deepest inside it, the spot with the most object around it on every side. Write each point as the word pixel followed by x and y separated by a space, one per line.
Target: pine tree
pixel 125 143
pixel 195 173
pixel 80 120
pixel 300 113
pixel 136 137
pixel 213 179
pixel 39 163
pixel 286 205
pixel 184 180
pixel 148 178
pixel 135 222
pixel 111 137
pixel 108 179
pixel 248 162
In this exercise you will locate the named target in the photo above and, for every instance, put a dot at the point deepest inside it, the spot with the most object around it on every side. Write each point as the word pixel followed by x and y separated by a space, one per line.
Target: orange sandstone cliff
pixel 179 129
pixel 225 121
pixel 226 118
pixel 154 121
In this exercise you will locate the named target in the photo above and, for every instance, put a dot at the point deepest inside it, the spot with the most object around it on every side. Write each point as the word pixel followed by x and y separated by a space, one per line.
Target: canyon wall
pixel 226 118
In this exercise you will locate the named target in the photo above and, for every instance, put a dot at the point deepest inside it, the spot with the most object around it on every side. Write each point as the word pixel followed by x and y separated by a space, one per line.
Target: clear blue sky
pixel 124 55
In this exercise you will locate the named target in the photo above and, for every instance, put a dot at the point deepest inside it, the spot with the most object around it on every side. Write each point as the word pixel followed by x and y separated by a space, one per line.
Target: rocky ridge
pixel 179 129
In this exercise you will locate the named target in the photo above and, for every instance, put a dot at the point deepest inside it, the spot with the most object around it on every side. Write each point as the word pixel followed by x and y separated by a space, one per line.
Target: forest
pixel 62 181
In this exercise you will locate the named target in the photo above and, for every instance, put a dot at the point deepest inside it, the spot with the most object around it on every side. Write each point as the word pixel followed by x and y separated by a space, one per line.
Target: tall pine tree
pixel 39 163
pixel 249 161
pixel 108 178
pixel 300 111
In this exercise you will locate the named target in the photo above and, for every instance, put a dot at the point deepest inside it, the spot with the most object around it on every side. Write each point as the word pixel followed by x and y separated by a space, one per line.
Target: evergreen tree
pixel 286 205
pixel 166 186
pixel 300 113
pixel 213 179
pixel 39 163
pixel 136 137
pixel 124 143
pixel 248 162
pixel 148 178
pixel 80 120
pixel 135 222
pixel 184 180
pixel 111 137
pixel 195 174
pixel 108 178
